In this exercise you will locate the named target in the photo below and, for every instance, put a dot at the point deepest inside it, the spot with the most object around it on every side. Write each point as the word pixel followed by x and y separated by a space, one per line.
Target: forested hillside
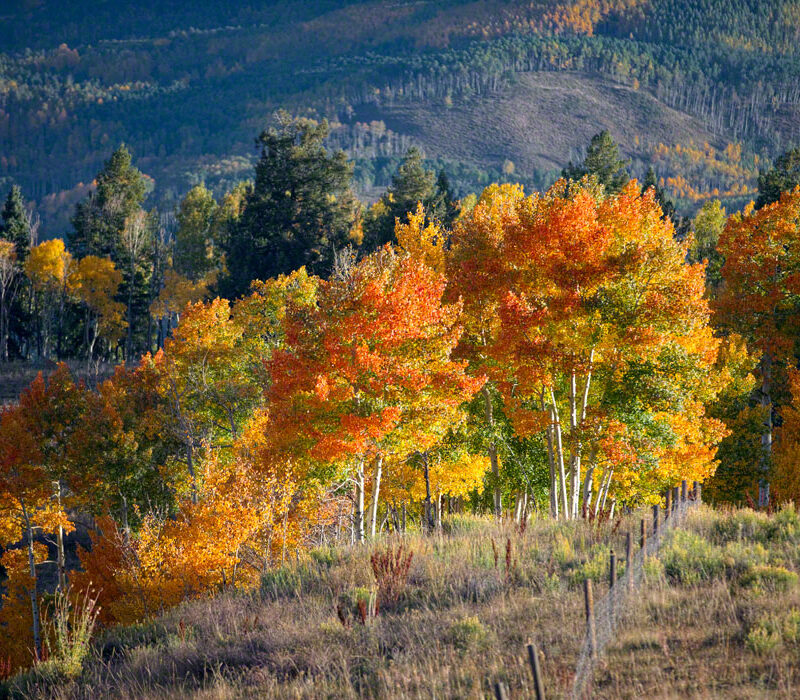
pixel 189 90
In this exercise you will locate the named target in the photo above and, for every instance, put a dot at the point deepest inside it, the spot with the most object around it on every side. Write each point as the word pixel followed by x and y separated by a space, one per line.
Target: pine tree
pixel 444 207
pixel 301 209
pixel 100 218
pixel 411 184
pixel 15 226
pixel 784 176
pixel 603 161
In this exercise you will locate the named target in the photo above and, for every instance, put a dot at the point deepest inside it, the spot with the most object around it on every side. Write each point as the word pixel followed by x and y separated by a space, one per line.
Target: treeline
pixel 731 64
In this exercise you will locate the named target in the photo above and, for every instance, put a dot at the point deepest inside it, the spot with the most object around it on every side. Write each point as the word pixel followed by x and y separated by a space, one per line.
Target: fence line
pixel 605 614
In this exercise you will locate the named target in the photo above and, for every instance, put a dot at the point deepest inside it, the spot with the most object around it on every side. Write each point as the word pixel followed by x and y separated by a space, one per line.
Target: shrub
pixel 70 632
pixel 284 582
pixel 467 633
pixel 764 637
pixel 791 626
pixel 771 578
pixel 690 558
pixel 784 526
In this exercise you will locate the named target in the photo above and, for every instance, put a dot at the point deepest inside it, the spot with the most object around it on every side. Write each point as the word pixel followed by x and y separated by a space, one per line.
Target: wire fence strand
pixel 612 608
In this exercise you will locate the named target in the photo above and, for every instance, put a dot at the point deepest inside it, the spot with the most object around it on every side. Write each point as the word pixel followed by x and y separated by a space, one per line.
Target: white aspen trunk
pixel 766 433
pixel 562 477
pixel 498 497
pixel 600 488
pixel 575 450
pixel 605 492
pixel 552 464
pixel 37 639
pixel 376 487
pixel 358 512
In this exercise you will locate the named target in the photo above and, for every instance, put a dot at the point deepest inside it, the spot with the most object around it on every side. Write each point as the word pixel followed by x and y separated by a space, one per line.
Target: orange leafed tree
pixel 579 295
pixel 759 298
pixel 367 373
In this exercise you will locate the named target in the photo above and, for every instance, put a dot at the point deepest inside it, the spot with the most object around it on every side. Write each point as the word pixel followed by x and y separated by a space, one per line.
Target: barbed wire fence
pixel 605 615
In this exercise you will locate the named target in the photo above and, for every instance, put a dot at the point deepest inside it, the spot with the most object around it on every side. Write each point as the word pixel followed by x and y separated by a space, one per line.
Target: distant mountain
pixel 706 92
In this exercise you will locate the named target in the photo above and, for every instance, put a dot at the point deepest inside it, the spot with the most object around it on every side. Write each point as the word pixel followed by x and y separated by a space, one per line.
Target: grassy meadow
pixel 718 615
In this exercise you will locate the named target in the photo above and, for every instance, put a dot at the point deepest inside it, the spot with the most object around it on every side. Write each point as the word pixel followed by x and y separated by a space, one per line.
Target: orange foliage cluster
pixel 706 173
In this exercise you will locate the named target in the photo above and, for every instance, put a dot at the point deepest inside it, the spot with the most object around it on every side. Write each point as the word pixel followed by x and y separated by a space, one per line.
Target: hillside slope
pixel 718 616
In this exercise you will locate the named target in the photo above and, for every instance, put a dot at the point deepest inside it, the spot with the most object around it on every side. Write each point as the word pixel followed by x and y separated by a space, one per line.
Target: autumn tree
pixel 49 268
pixel 759 300
pixel 96 282
pixel 366 374
pixel 582 294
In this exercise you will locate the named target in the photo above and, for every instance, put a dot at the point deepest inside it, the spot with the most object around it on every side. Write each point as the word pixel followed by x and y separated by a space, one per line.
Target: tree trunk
pixel 37 639
pixel 766 433
pixel 376 487
pixel 556 422
pixel 498 496
pixel 552 464
pixel 428 505
pixel 358 505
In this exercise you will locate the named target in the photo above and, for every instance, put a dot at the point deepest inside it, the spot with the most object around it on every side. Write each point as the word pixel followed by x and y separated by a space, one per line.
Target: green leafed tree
pixel 784 176
pixel 194 239
pixel 604 162
pixel 301 209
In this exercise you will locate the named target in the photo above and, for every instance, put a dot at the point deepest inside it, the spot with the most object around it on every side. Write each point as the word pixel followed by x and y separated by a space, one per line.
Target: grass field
pixel 718 616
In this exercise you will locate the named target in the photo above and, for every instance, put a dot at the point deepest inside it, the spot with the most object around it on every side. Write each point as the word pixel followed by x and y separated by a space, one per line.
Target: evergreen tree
pixel 110 222
pixel 782 177
pixel 300 211
pixel 444 207
pixel 603 161
pixel 99 219
pixel 411 184
pixel 15 226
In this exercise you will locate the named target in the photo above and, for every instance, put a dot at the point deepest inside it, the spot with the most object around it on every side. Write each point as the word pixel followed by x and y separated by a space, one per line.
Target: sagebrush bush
pixel 690 558
pixel 768 578
pixel 466 634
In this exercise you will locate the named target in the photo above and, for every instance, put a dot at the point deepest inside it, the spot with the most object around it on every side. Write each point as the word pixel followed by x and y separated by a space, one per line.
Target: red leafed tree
pixel 367 372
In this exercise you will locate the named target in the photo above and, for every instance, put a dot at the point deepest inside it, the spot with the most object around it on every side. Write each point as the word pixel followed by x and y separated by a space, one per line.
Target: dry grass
pixel 729 629
pixel 462 621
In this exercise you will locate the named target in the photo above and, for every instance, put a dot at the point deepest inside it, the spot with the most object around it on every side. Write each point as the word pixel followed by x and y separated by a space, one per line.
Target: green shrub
pixel 690 558
pixel 784 526
pixel 764 637
pixel 791 626
pixel 325 556
pixel 284 582
pixel 467 633
pixel 117 640
pixel 770 578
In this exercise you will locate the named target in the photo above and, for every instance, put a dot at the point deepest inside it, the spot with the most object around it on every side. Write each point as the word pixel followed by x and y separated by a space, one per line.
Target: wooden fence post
pixel 675 496
pixel 643 534
pixel 656 518
pixel 668 504
pixel 500 691
pixel 612 569
pixel 629 559
pixel 698 492
pixel 589 603
pixel 684 491
pixel 404 517
pixel 538 681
